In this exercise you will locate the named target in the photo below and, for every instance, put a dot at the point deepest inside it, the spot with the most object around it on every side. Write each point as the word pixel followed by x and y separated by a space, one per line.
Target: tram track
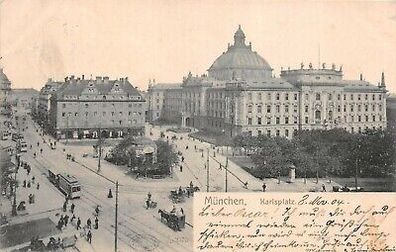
pixel 129 236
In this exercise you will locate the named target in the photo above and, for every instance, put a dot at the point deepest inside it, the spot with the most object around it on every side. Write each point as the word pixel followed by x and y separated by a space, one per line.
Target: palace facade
pixel 239 94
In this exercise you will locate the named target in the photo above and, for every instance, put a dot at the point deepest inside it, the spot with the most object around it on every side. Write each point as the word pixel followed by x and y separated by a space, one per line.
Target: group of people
pixel 64 220
pixel 28 183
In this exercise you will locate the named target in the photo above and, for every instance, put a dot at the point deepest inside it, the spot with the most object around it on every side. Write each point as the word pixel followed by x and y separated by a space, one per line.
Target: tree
pixel 6 171
pixel 166 156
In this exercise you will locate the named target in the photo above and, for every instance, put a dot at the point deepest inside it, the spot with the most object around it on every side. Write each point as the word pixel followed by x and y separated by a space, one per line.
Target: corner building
pixel 239 94
pixel 82 108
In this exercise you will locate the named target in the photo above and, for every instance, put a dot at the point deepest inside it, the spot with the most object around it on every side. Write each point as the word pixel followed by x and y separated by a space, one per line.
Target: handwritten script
pixel 348 222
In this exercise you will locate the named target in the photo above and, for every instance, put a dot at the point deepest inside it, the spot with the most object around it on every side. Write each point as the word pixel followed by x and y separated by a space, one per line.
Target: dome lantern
pixel 239 38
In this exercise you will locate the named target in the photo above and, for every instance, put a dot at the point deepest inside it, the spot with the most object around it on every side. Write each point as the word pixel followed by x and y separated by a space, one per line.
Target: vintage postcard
pixel 183 126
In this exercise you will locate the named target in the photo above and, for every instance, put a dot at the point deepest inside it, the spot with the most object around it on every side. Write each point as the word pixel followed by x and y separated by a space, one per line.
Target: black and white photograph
pixel 115 115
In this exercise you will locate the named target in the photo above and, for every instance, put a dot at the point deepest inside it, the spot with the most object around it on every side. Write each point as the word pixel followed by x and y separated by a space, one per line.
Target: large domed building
pixel 239 95
pixel 240 62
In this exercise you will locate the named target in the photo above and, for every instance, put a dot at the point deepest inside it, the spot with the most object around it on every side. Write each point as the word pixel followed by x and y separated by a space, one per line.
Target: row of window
pixel 351 97
pixel 260 120
pixel 103 113
pixel 130 105
pixel 120 122
pixel 268 121
pixel 277 132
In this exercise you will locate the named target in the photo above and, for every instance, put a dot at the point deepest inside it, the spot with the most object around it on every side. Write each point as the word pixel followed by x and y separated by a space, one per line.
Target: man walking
pixel 78 223
pixel 72 208
pixel 96 223
pixel 89 236
pixel 264 187
pixel 89 223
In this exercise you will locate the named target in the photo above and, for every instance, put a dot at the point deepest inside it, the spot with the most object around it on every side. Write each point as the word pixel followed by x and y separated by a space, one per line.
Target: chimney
pixel 49 80
pixel 66 79
pixel 98 78
pixel 126 78
pixel 72 77
pixel 106 79
pixel 361 76
pixel 82 77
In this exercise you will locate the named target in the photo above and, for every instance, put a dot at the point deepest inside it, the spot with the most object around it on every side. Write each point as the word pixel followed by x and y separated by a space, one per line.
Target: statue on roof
pixel 302 65
pixel 324 65
pixel 310 65
pixel 340 68
pixel 333 66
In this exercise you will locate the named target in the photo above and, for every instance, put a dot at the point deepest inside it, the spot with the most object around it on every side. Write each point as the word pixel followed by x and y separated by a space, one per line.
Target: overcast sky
pixel 166 39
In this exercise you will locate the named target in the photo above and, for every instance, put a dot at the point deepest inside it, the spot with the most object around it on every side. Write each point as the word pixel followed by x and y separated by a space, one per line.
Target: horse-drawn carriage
pixel 173 220
pixel 177 196
pixel 190 190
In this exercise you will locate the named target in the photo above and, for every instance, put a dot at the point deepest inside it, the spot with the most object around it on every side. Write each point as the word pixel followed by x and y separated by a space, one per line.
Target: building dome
pixel 5 84
pixel 240 62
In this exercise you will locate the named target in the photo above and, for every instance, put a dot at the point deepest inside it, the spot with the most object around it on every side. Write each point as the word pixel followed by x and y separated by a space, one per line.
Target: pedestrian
pixel 96 223
pixel 41 151
pixel 110 194
pixel 89 223
pixel 97 210
pixel 264 187
pixel 323 187
pixel 60 224
pixel 78 223
pixel 33 179
pixel 181 168
pixel 38 186
pixel 72 218
pixel 28 184
pixel 64 207
pixel 28 170
pixel 66 219
pixel 24 183
pixel 182 211
pixel 72 208
pixel 147 204
pixel 89 236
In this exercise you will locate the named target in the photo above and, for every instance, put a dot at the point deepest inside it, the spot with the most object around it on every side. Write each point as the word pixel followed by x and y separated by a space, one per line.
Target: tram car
pixel 66 183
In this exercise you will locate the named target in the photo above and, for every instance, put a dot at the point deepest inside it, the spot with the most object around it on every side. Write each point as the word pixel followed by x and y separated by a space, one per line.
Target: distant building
pixel 5 88
pixel 23 98
pixel 240 95
pixel 156 98
pixel 80 107
pixel 43 103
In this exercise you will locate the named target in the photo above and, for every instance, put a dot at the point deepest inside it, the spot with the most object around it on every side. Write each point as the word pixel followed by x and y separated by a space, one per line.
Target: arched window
pixel 318 97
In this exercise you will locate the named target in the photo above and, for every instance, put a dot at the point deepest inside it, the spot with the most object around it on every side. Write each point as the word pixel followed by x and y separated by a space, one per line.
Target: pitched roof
pixel 103 85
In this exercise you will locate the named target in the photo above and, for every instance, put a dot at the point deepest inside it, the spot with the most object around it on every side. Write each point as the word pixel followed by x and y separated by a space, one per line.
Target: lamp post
pixel 100 148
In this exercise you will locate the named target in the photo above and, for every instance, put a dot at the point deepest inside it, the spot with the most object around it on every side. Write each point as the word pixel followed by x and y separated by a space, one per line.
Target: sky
pixel 165 39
